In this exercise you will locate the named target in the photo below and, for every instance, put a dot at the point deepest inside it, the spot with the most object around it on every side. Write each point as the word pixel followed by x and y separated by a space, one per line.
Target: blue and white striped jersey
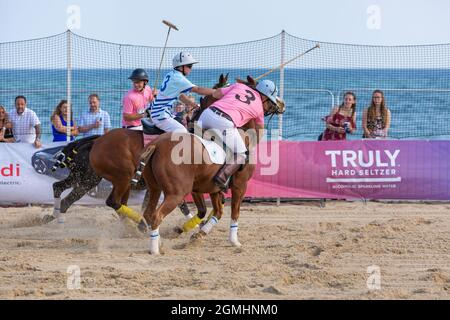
pixel 174 84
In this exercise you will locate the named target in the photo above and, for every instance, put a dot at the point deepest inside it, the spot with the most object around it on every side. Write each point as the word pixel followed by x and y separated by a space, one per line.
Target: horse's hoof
pixel 198 236
pixel 157 251
pixel 142 227
pixel 178 230
pixel 236 244
pixel 48 218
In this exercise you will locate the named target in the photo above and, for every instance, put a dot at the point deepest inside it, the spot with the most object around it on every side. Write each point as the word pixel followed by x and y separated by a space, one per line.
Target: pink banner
pixel 364 169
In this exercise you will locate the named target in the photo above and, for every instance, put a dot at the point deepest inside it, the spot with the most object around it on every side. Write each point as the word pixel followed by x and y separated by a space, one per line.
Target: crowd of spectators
pixel 376 119
pixel 23 125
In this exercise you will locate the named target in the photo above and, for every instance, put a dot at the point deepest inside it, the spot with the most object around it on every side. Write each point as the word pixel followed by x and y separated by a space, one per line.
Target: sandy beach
pixel 296 251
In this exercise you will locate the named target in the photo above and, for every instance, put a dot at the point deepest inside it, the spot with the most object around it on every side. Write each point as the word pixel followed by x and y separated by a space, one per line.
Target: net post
pixel 280 117
pixel 69 83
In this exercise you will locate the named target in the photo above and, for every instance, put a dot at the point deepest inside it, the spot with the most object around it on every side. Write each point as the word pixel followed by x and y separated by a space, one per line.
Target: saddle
pixel 211 143
pixel 216 149
pixel 149 128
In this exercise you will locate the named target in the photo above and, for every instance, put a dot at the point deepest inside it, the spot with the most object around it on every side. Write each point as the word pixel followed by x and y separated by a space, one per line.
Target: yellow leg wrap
pixel 191 224
pixel 130 213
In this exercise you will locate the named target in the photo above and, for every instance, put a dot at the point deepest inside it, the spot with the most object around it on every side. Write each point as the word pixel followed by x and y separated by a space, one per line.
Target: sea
pixel 419 99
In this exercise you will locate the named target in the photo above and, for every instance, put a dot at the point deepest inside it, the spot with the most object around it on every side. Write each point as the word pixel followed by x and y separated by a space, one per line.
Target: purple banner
pixel 364 169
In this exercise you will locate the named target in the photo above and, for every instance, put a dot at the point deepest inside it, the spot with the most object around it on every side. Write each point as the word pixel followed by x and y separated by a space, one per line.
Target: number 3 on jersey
pixel 250 97
pixel 164 85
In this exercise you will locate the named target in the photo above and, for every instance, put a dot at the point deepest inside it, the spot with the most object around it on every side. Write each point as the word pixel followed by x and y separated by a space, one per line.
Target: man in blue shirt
pixel 95 121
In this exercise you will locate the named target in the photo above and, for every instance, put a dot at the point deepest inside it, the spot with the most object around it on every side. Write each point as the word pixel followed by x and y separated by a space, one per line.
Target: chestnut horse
pixel 178 180
pixel 116 157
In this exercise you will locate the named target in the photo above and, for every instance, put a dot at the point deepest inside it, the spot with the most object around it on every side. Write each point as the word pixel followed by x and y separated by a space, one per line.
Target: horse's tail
pixel 65 157
pixel 143 160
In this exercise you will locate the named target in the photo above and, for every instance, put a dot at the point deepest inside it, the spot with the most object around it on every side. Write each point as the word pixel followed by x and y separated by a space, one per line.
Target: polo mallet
pixel 171 26
pixel 287 62
pixel 280 103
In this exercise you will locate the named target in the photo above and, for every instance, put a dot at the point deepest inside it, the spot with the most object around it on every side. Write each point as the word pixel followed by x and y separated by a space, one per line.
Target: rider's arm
pixel 132 116
pixel 218 94
pixel 187 102
pixel 203 91
pixel 128 114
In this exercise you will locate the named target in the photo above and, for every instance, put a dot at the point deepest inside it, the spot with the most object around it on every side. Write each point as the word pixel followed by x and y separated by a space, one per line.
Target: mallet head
pixel 170 25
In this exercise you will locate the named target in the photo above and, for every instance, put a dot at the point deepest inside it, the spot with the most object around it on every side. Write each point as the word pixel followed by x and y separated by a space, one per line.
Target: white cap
pixel 183 59
pixel 269 89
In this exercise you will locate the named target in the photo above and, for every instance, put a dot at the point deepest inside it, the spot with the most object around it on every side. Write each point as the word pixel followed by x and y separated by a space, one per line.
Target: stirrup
pixel 138 174
pixel 223 186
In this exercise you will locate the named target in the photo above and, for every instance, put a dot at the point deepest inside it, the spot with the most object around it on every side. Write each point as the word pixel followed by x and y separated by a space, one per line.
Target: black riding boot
pixel 222 178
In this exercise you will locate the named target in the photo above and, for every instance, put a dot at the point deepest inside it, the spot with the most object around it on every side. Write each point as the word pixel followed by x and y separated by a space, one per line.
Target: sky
pixel 208 23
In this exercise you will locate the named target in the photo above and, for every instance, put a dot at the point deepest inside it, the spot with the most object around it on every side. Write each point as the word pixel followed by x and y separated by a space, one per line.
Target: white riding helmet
pixel 269 89
pixel 183 59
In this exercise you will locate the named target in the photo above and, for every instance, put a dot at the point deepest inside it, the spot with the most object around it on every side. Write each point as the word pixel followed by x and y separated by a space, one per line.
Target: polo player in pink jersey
pixel 136 100
pixel 236 106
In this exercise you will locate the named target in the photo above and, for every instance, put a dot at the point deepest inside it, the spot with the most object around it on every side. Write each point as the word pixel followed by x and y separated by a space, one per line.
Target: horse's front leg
pixel 237 195
pixel 194 221
pixel 58 188
pixel 154 193
pixel 167 206
pixel 216 201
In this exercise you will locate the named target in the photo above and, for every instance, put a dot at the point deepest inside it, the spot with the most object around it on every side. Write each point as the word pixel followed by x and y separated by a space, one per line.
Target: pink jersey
pixel 242 104
pixel 134 102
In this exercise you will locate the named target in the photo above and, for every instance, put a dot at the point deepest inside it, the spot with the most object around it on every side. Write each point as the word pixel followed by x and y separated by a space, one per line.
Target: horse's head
pixel 250 82
pixel 223 82
pixel 207 101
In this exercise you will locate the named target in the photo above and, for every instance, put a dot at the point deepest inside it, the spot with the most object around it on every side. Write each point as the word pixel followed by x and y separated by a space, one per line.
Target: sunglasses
pixel 190 66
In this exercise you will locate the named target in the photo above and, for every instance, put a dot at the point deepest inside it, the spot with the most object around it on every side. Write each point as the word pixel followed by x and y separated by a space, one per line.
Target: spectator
pixel 25 123
pixel 342 119
pixel 95 121
pixel 59 122
pixel 376 119
pixel 6 133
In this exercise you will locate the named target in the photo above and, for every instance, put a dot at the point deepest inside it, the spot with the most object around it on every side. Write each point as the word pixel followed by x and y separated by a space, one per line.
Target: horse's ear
pixel 251 81
pixel 203 103
pixel 226 78
pixel 221 78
